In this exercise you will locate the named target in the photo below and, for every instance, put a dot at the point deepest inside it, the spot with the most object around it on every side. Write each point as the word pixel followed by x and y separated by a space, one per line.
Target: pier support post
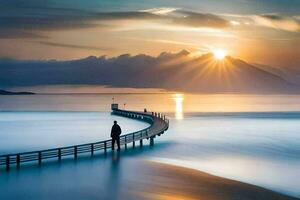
pixel 18 161
pixel 125 142
pixel 59 154
pixel 7 163
pixel 105 146
pixel 133 142
pixel 151 141
pixel 141 140
pixel 75 152
pixel 92 149
pixel 141 143
pixel 40 157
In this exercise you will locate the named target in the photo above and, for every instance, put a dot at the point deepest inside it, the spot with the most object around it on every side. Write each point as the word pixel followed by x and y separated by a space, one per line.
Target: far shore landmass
pixel 173 182
pixel 5 92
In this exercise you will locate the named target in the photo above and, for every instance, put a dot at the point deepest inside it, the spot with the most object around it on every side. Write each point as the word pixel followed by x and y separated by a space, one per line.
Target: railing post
pixel 133 142
pixel 18 160
pixel 7 163
pixel 92 149
pixel 105 146
pixel 75 152
pixel 125 141
pixel 59 154
pixel 40 157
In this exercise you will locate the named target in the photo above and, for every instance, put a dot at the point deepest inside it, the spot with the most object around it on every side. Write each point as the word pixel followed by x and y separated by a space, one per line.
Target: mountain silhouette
pixel 5 92
pixel 180 71
pixel 289 73
pixel 205 74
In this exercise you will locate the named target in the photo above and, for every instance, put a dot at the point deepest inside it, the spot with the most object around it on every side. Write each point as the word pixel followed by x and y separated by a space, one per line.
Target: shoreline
pixel 177 182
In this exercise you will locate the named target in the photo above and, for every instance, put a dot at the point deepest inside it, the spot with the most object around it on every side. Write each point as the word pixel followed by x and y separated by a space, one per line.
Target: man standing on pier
pixel 115 135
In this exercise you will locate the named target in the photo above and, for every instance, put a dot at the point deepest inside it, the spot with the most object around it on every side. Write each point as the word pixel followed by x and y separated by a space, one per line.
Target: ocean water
pixel 29 131
pixel 250 138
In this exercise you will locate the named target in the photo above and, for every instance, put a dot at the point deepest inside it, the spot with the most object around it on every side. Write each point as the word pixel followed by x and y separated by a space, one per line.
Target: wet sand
pixel 168 182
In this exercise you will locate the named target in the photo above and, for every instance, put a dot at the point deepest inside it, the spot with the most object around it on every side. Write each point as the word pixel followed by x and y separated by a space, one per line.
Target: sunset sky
pixel 259 31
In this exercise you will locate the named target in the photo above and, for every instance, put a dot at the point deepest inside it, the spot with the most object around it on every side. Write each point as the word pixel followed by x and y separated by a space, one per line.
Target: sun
pixel 219 54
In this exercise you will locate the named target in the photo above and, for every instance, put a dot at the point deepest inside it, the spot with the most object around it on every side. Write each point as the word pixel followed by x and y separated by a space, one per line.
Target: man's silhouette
pixel 115 135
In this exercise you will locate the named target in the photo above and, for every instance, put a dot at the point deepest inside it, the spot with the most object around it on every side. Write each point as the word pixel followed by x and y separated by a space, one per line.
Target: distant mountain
pixel 207 75
pixel 273 70
pixel 232 76
pixel 172 71
pixel 4 92
pixel 289 73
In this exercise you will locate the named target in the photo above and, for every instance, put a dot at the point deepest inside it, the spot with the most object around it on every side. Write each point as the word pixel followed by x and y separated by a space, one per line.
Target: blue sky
pixel 288 7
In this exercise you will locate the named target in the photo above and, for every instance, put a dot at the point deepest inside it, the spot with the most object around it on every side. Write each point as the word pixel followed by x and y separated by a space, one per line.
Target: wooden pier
pixel 158 125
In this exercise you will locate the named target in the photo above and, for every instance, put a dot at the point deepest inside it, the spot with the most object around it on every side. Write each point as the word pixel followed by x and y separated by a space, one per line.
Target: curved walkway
pixel 158 124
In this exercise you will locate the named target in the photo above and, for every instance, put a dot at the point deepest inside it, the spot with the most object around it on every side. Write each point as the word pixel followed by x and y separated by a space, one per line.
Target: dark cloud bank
pixel 30 18
pixel 73 46
pixel 169 71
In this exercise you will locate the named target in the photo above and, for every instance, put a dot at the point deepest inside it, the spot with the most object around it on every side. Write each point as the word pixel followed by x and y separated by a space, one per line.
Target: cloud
pixel 160 11
pixel 277 21
pixel 32 16
pixel 46 19
pixel 194 19
pixel 15 34
pixel 188 18
pixel 73 46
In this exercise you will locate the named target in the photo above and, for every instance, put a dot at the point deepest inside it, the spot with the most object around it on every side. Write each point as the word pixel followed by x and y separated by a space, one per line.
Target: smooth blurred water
pixel 258 148
pixel 28 131
pixel 254 139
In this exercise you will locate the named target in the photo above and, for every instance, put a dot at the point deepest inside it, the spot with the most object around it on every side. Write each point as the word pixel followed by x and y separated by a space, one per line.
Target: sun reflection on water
pixel 178 98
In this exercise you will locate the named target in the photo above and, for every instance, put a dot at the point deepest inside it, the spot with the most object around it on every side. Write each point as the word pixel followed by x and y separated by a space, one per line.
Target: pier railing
pixel 158 124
